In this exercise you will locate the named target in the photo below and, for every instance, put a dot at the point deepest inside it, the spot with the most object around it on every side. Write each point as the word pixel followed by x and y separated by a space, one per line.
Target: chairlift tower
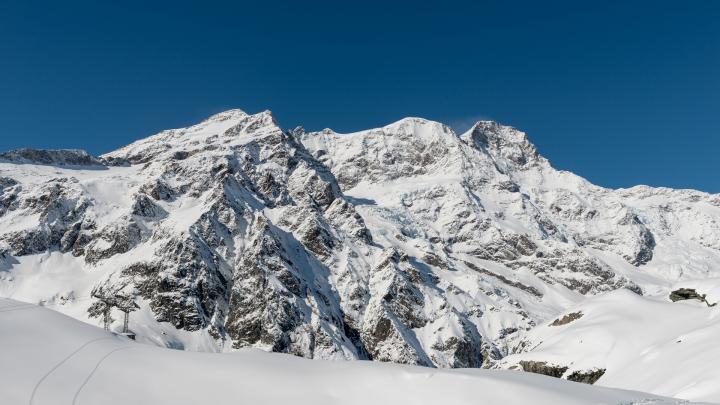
pixel 126 321
pixel 107 304
pixel 124 303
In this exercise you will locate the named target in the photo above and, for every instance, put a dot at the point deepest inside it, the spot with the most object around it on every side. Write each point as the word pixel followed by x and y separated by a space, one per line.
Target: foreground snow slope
pixel 48 358
pixel 650 345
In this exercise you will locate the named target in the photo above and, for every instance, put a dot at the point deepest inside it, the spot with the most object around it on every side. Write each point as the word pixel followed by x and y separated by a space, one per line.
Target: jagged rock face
pixel 6 182
pixel 408 243
pixel 61 157
pixel 509 148
pixel 51 214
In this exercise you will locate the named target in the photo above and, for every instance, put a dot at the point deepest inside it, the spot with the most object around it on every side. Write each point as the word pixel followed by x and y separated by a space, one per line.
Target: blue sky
pixel 620 92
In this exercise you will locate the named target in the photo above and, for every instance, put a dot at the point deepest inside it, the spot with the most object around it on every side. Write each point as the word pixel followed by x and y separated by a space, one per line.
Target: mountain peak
pixel 494 129
pixel 234 113
pixel 411 120
pixel 502 141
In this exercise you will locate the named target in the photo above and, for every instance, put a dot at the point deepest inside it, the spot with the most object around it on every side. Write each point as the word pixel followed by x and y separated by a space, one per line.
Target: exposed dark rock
pixel 434 260
pixel 6 182
pixel 114 161
pixel 185 287
pixel 530 289
pixel 264 306
pixel 28 242
pixel 542 367
pixel 682 294
pixel 463 350
pixel 143 206
pixel 508 186
pixel 566 319
pixel 158 190
pixel 114 239
pixel 586 377
pixel 646 241
pixel 60 157
pixel 517 150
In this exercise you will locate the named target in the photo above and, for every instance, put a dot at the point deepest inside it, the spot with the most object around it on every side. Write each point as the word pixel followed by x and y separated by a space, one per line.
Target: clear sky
pixel 620 92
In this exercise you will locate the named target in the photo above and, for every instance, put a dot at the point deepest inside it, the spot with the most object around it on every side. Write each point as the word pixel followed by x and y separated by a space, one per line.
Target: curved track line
pixel 18 308
pixel 95 369
pixel 34 391
pixel 12 304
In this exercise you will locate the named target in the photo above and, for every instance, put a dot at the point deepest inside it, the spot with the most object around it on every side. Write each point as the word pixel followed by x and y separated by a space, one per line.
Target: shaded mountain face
pixel 408 243
pixel 60 157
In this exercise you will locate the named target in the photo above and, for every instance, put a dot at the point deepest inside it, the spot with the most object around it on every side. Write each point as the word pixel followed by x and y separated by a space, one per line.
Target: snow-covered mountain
pixel 407 243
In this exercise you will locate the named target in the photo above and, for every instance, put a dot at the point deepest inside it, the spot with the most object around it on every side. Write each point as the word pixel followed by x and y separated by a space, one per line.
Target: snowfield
pixel 48 358
pixel 647 344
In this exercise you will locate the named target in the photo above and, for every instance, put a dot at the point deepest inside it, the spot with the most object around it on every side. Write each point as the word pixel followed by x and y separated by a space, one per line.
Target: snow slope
pixel 48 358
pixel 648 344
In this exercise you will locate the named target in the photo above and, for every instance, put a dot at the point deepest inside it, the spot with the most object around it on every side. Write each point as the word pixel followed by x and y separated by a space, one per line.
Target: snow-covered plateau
pixel 408 244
